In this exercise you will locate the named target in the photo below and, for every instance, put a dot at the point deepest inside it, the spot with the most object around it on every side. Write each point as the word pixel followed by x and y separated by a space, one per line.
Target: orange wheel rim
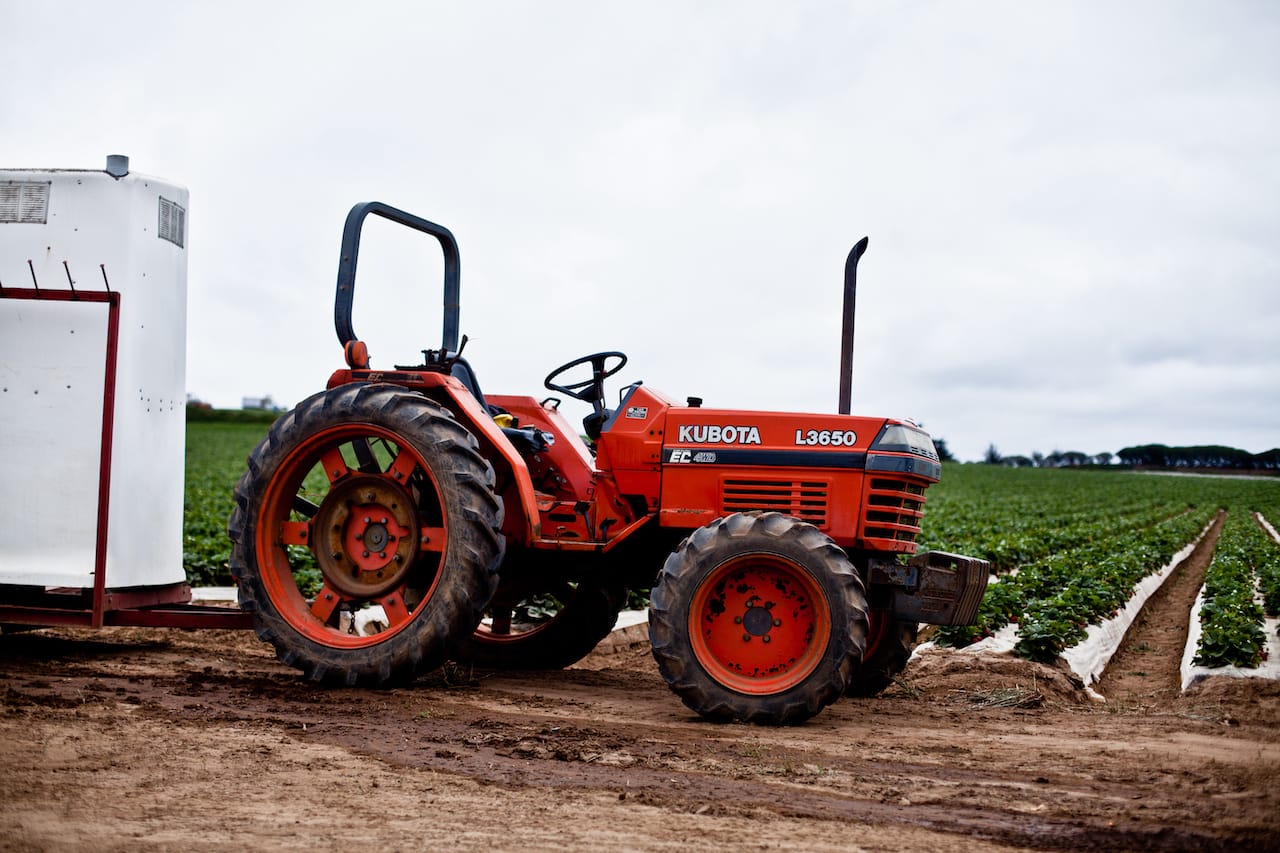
pixel 877 630
pixel 759 624
pixel 352 518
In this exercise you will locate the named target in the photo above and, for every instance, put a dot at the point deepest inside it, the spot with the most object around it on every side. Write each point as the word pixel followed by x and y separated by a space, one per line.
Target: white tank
pixel 90 230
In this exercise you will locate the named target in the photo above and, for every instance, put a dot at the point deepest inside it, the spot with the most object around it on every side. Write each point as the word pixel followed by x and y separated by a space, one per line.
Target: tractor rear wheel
pixel 366 535
pixel 758 617
pixel 889 644
pixel 549 625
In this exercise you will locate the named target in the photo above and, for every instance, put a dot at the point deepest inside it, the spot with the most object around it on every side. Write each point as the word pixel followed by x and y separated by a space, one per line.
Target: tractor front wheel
pixel 365 537
pixel 889 645
pixel 758 617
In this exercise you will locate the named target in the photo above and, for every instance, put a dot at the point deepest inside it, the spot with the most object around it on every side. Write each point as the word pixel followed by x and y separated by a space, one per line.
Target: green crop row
pixel 216 455
pixel 1269 571
pixel 1056 598
pixel 1231 617
pixel 1070 545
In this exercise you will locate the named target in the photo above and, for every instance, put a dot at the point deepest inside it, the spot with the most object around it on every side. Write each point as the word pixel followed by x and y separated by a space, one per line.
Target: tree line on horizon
pixel 1146 456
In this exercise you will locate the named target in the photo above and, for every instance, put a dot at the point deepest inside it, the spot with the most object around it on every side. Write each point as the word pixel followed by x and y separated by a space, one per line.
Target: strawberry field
pixel 1070 546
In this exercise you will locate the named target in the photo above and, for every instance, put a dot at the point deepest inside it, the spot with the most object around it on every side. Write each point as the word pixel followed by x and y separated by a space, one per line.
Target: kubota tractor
pixel 402 518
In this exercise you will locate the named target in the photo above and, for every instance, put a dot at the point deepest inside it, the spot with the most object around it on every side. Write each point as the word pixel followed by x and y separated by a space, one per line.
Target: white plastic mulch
pixel 627 618
pixel 213 595
pixel 1269 668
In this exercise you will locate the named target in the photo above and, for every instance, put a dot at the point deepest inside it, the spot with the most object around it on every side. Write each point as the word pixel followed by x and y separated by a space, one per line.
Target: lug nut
pixel 737 620
pixel 746 638
pixel 777 623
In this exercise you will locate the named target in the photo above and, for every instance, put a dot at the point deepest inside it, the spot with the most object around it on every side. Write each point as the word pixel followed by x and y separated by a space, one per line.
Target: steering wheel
pixel 588 390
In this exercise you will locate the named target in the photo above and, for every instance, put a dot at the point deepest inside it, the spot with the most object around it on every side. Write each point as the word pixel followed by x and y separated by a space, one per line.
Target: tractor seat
pixel 527 441
pixel 462 371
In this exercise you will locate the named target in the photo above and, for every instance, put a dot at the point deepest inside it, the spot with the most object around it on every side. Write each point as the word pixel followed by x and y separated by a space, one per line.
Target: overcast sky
pixel 1074 208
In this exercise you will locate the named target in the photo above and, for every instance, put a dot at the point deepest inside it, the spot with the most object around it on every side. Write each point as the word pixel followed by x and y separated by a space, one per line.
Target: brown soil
pixel 1146 669
pixel 173 740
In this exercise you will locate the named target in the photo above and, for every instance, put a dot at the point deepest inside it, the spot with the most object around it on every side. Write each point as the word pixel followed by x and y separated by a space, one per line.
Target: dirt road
pixel 151 739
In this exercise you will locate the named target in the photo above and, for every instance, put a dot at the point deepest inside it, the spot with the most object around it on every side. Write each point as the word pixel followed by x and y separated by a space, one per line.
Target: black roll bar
pixel 351 250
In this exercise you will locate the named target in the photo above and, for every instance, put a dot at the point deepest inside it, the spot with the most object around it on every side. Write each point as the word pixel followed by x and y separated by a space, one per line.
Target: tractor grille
pixel 802 499
pixel 893 510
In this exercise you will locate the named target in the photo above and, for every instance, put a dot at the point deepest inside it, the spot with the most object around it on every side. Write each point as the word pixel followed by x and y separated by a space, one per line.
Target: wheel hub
pixel 365 532
pixel 758 621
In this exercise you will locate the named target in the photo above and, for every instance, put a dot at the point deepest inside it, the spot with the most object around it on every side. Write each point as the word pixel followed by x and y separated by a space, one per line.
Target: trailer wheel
pixel 540 628
pixel 889 645
pixel 758 617
pixel 366 535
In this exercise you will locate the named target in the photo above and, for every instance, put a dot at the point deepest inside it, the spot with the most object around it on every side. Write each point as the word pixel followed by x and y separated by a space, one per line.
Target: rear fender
pixel 499 451
pixel 522 522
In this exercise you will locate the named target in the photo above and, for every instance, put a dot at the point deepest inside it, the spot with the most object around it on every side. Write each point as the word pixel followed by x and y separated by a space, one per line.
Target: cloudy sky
pixel 1074 208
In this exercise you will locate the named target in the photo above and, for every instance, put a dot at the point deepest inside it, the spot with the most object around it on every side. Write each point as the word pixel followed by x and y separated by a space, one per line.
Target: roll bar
pixel 351 250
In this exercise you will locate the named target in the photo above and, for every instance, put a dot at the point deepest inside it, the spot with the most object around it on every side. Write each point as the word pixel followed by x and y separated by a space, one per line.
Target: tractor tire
pixel 759 618
pixel 889 645
pixel 585 615
pixel 366 504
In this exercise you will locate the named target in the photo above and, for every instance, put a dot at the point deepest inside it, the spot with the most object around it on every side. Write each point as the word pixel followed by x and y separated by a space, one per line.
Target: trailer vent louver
pixel 805 500
pixel 173 222
pixel 24 202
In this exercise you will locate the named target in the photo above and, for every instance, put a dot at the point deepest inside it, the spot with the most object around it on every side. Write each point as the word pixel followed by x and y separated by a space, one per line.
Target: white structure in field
pixel 90 230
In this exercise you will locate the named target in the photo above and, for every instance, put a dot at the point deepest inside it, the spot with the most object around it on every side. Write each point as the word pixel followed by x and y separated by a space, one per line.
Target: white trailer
pixel 93 295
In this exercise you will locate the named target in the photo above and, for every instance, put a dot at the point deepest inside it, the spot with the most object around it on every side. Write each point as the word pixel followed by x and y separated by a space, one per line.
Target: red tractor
pixel 402 518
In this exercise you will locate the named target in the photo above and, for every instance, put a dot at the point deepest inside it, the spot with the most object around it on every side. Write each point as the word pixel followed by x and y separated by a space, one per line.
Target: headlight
pixel 905 439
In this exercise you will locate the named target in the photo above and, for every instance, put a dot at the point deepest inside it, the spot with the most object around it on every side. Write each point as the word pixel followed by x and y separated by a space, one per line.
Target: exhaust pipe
pixel 846 343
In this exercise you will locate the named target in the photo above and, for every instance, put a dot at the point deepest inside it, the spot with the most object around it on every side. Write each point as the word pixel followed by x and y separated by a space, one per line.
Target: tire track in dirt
pixel 1145 671
pixel 602 756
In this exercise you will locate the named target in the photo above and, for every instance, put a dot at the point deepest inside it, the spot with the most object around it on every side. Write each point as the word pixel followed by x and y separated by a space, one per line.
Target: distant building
pixel 265 404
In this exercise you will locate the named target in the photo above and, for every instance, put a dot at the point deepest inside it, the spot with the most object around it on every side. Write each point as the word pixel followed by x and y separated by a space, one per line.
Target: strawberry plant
pixel 1231 617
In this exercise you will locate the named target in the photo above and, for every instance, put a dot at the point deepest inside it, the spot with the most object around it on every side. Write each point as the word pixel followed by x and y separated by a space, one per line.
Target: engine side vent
pixel 893 510
pixel 173 222
pixel 24 202
pixel 802 499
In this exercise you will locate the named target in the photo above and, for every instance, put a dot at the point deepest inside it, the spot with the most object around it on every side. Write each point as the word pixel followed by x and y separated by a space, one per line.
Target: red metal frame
pixel 166 606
